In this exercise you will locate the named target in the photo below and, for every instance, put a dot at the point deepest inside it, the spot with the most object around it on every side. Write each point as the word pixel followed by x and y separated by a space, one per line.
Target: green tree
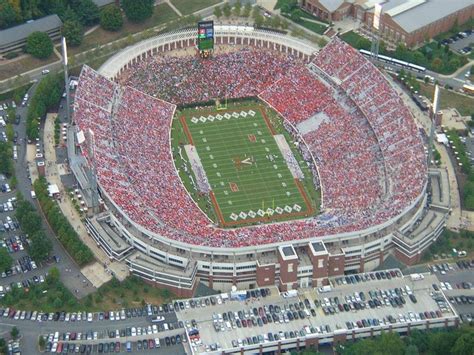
pixel 237 9
pixel 6 163
pixel 10 132
pixel 259 20
pixel 295 15
pixel 73 32
pixel 58 303
pixel 53 276
pixel 226 10
pixel 111 18
pixel 138 10
pixel 217 12
pixel 289 6
pixel 88 12
pixel 464 345
pixel 5 260
pixel 7 14
pixel 411 350
pixel 248 9
pixel 40 246
pixel 41 342
pixel 11 114
pixel 437 64
pixel 3 346
pixel 39 45
pixel 14 332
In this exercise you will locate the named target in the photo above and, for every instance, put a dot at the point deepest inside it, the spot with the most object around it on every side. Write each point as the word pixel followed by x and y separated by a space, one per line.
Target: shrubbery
pixel 46 96
pixel 31 224
pixel 61 226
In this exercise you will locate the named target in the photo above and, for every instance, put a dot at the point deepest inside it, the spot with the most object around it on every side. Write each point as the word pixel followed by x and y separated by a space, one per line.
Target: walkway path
pixel 454 220
pixel 174 8
pixel 95 272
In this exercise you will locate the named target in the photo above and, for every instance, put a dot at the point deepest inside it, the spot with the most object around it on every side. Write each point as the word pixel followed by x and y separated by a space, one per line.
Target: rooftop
pixel 412 15
pixel 229 335
pixel 21 32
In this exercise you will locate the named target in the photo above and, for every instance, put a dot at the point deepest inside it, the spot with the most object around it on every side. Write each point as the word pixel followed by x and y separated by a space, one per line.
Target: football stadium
pixel 262 160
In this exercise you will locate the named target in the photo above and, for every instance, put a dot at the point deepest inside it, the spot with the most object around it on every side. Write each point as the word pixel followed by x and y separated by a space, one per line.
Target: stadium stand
pixel 366 145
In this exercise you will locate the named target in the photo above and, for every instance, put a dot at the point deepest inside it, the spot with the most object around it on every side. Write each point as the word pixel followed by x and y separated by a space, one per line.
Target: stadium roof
pixel 412 15
pixel 20 32
pixel 331 5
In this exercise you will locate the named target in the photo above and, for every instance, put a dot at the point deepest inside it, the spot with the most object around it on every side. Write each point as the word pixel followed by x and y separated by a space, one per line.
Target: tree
pixel 248 9
pixel 217 12
pixel 138 10
pixel 255 12
pixel 41 342
pixel 5 260
pixel 411 350
pixel 88 12
pixel 226 10
pixel 237 8
pixel 14 332
pixel 72 31
pixel 111 18
pixel 40 246
pixel 464 344
pixel 295 15
pixel 53 276
pixel 437 64
pixel 289 6
pixel 259 20
pixel 39 45
pixel 7 14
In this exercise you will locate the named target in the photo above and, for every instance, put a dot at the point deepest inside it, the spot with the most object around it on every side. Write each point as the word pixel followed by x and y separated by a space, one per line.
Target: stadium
pixel 269 162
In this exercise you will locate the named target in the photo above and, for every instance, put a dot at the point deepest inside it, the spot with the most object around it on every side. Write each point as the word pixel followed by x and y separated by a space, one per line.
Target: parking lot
pixel 457 281
pixel 359 302
pixel 139 328
pixel 461 42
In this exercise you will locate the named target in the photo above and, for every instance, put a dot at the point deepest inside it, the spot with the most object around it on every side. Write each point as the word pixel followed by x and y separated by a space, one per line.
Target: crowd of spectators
pixel 183 80
pixel 366 146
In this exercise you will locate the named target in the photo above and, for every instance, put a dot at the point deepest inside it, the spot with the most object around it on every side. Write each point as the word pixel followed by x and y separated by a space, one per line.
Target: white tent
pixel 441 138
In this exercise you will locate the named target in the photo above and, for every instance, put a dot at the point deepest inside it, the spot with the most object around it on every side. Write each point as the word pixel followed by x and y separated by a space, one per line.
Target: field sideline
pixel 249 177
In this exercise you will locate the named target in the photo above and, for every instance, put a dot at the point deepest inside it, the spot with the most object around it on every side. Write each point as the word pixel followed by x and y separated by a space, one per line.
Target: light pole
pixel 66 77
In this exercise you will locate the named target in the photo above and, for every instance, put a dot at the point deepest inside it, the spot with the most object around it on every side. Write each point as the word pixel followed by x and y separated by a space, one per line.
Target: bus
pixel 468 89
pixel 397 62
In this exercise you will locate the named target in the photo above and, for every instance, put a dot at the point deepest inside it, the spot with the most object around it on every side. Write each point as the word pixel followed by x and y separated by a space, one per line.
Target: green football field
pixel 249 178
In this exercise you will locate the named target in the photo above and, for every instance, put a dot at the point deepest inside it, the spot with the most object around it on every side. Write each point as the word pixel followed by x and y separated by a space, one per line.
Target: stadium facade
pixel 180 266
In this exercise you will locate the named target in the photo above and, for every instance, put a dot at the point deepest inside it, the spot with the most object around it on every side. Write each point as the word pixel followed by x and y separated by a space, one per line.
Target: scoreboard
pixel 205 35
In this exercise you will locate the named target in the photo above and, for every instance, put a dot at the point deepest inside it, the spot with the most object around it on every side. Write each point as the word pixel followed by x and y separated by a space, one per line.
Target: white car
pixel 89 317
pixel 45 71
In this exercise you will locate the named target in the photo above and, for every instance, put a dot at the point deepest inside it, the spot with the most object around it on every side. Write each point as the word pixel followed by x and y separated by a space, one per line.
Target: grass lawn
pixel 187 7
pixel 352 38
pixel 245 168
pixel 464 104
pixel 312 26
pixel 22 65
pixel 163 13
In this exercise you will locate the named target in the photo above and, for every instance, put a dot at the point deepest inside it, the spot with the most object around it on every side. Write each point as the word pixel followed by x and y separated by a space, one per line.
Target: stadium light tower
pixel 374 48
pixel 66 77
pixel 433 116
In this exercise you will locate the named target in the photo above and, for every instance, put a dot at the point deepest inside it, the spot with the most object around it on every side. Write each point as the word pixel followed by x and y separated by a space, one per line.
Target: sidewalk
pixel 96 273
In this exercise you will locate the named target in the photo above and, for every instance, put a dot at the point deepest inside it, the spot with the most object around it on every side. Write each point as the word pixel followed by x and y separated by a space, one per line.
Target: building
pixel 407 21
pixel 329 10
pixel 14 38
